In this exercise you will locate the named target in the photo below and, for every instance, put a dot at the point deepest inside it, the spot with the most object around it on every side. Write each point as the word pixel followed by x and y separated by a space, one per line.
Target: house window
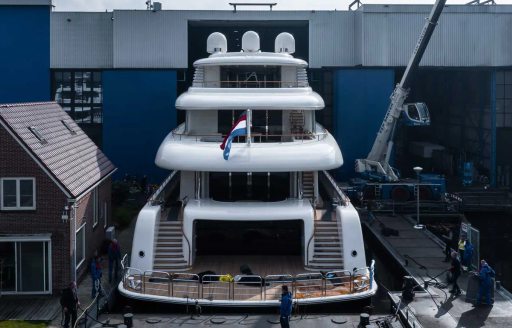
pixel 95 207
pixel 18 193
pixel 80 246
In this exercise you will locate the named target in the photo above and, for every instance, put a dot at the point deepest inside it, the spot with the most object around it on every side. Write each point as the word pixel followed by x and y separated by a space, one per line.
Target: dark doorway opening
pixel 248 238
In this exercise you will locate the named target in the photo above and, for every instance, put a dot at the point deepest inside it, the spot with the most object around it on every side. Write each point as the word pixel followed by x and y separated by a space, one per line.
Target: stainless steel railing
pixel 248 287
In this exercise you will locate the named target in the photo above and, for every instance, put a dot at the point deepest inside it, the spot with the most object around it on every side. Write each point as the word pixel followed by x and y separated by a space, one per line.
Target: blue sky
pixel 102 5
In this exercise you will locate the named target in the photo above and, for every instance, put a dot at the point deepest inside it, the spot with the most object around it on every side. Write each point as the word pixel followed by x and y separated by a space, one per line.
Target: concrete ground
pixel 242 320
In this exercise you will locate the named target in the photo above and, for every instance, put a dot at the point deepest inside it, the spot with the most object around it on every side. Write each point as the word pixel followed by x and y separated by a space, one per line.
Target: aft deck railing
pixel 255 137
pixel 250 84
pixel 247 287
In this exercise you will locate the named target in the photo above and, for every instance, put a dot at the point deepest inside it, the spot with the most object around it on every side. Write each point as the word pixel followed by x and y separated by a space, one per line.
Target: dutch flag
pixel 238 129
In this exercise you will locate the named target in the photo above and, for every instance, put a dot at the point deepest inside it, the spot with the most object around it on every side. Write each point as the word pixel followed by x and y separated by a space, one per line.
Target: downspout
pixel 73 235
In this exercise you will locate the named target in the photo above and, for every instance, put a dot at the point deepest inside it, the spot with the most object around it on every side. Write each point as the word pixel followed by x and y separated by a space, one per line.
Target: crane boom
pixel 377 161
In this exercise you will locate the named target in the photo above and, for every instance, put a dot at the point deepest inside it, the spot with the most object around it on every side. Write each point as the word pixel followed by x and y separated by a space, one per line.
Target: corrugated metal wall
pixel 81 40
pixel 375 35
pixel 460 40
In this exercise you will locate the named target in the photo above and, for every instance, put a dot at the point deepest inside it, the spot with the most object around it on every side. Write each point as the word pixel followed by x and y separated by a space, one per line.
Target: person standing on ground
pixel 485 275
pixel 462 246
pixel 69 302
pixel 455 271
pixel 449 241
pixel 286 307
pixel 114 256
pixel 96 274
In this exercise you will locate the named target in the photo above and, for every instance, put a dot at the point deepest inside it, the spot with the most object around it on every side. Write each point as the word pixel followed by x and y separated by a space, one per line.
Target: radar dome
pixel 250 41
pixel 216 42
pixel 285 43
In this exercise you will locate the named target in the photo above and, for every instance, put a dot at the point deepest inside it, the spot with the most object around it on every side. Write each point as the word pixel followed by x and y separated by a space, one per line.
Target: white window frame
pixel 95 207
pixel 18 196
pixel 19 239
pixel 105 215
pixel 77 265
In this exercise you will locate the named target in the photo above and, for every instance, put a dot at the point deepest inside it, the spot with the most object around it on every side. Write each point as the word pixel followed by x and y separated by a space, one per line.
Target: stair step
pixel 327 248
pixel 327 238
pixel 169 249
pixel 325 259
pixel 328 255
pixel 168 245
pixel 172 256
pixel 164 262
pixel 171 238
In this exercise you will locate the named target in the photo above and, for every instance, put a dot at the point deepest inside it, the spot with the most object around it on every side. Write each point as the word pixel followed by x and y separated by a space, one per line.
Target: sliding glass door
pixel 25 266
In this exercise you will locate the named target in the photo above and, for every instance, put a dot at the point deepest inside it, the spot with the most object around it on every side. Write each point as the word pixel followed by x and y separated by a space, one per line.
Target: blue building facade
pixel 138 112
pixel 361 99
pixel 24 53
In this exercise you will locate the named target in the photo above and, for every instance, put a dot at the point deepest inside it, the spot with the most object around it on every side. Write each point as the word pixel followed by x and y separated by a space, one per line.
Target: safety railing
pixel 248 287
pixel 308 285
pixel 250 84
pixel 255 137
pixel 216 287
pixel 273 284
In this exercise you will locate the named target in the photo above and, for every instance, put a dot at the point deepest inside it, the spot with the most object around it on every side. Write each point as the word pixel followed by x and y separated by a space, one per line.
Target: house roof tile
pixel 72 158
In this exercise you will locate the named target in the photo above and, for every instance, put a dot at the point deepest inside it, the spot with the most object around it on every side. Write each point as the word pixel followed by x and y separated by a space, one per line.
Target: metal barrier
pixel 185 285
pixel 361 280
pixel 309 285
pixel 213 288
pixel 157 283
pixel 273 285
pixel 248 287
pixel 338 283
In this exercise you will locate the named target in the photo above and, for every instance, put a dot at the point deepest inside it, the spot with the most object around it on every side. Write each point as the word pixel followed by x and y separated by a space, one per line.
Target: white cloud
pixel 102 5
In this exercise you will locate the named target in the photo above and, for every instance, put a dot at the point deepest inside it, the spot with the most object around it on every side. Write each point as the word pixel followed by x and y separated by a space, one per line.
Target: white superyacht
pixel 249 205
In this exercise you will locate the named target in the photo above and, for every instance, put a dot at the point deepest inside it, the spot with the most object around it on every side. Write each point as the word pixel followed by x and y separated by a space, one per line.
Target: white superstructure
pixel 271 201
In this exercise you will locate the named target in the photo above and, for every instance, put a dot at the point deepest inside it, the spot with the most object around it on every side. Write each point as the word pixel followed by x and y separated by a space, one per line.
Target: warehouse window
pixel 80 94
pixel 504 99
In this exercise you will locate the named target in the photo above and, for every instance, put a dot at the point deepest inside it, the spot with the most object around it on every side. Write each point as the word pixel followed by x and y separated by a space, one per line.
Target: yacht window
pixel 250 77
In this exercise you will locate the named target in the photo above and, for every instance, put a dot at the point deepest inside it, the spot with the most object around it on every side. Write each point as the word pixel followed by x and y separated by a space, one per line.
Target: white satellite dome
pixel 285 42
pixel 250 42
pixel 216 42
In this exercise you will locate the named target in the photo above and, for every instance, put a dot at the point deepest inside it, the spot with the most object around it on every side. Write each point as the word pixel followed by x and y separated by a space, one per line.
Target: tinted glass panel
pixel 32 266
pixel 9 193
pixel 7 267
pixel 26 193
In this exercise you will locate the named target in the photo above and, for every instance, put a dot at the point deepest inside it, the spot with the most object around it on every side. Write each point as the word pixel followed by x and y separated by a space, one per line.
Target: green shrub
pixel 21 324
pixel 123 216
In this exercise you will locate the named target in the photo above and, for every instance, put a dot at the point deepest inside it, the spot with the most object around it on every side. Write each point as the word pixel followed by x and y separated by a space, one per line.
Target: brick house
pixel 55 193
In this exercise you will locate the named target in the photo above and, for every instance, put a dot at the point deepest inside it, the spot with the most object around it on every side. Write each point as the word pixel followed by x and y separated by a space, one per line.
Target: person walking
pixel 286 307
pixel 114 257
pixel 96 274
pixel 485 275
pixel 69 302
pixel 455 271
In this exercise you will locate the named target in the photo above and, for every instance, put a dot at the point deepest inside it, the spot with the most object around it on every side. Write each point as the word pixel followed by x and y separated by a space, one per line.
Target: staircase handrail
pixel 341 196
pixel 184 202
pixel 154 198
pixel 312 235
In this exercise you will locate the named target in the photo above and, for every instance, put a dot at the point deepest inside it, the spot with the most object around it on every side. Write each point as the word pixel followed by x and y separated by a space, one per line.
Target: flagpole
pixel 249 120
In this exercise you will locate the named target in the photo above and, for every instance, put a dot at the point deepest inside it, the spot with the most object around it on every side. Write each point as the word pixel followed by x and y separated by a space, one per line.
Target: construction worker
pixel 455 271
pixel 485 275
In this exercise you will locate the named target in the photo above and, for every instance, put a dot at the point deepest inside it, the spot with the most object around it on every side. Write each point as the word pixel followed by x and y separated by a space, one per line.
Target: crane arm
pixel 377 160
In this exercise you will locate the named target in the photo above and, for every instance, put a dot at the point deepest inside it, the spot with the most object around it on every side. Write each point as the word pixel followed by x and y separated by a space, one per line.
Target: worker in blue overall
pixel 485 275
pixel 285 309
